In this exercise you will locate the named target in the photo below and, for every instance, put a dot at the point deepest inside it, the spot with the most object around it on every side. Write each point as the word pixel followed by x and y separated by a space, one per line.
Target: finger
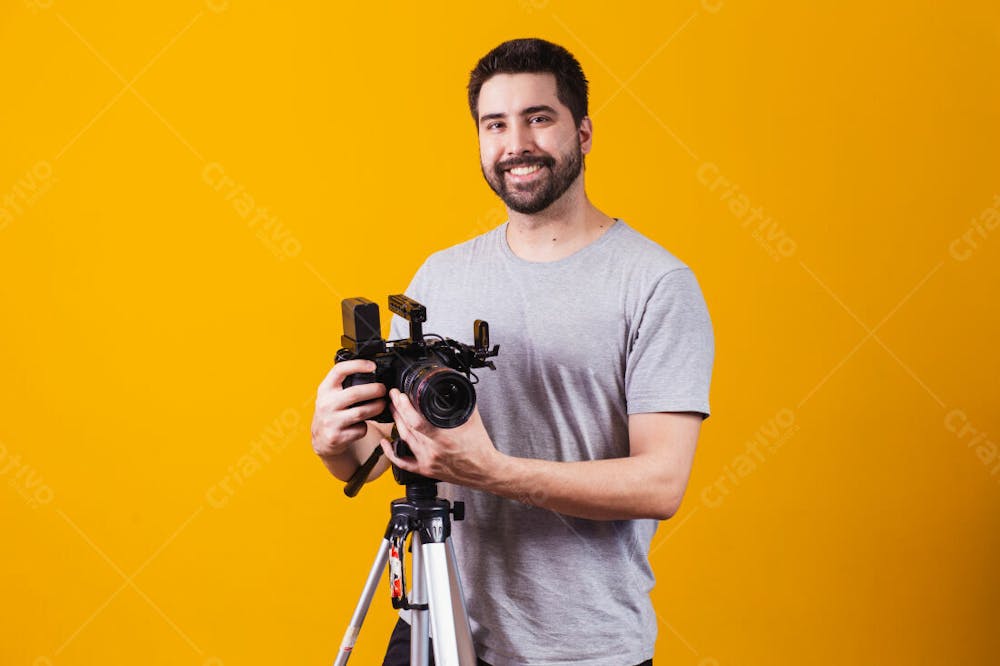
pixel 362 412
pixel 416 440
pixel 355 395
pixel 410 465
pixel 413 418
pixel 328 443
pixel 335 378
pixel 401 426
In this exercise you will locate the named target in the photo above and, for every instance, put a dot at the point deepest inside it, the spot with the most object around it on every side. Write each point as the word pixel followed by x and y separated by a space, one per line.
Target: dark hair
pixel 534 56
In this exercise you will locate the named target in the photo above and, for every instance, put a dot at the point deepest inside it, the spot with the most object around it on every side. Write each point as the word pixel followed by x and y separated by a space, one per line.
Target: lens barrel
pixel 444 396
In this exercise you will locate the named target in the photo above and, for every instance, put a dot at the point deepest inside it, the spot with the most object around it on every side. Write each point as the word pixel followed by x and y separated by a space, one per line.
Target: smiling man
pixel 584 436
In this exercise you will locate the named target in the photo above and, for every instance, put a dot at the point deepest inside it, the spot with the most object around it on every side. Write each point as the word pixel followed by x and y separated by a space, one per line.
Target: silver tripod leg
pixel 351 635
pixel 452 635
pixel 466 650
pixel 419 632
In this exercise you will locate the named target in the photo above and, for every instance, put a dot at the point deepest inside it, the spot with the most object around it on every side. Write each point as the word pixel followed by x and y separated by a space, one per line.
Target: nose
pixel 519 140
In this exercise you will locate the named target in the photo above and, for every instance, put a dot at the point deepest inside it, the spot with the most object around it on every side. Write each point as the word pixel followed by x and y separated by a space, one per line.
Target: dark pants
pixel 398 653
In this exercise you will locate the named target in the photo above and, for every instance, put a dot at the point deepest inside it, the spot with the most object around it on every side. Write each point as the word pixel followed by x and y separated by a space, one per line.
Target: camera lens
pixel 444 396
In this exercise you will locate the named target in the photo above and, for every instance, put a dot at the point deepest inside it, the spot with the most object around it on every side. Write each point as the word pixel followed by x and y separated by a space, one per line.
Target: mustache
pixel 525 160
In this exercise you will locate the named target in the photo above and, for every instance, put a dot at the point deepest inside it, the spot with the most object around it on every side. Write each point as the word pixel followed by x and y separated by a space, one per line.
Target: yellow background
pixel 157 336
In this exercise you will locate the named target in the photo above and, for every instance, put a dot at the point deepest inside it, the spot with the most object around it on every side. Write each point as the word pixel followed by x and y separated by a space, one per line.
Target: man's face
pixel 530 148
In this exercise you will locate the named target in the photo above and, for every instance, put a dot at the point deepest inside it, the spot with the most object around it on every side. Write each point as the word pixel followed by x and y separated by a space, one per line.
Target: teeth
pixel 525 170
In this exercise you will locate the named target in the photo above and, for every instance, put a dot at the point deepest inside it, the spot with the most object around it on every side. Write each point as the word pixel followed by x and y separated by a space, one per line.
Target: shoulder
pixel 649 261
pixel 456 256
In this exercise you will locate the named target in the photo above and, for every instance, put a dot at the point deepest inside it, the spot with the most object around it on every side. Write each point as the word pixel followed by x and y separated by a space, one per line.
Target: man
pixel 585 434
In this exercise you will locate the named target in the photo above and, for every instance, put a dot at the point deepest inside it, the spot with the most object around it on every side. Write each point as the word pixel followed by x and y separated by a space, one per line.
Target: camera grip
pixel 359 378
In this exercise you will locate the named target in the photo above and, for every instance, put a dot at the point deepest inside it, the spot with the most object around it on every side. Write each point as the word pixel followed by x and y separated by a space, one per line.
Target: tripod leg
pixel 361 610
pixel 463 632
pixel 443 615
pixel 419 629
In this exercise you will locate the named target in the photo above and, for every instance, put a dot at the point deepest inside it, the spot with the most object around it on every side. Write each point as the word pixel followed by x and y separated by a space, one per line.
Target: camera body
pixel 434 372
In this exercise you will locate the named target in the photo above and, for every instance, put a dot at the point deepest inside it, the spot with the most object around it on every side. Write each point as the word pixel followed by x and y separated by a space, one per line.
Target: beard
pixel 533 197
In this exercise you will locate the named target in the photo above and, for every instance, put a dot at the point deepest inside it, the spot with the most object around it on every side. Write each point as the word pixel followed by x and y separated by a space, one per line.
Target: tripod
pixel 437 588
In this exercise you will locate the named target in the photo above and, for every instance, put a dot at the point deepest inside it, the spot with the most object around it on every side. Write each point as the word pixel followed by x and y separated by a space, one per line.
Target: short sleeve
pixel 671 349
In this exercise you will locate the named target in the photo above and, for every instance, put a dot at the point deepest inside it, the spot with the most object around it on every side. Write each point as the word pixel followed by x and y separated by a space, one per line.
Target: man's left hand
pixel 464 455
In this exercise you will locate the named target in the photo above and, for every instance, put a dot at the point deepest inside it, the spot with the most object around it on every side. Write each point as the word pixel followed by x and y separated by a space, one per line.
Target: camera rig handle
pixel 357 480
pixel 481 336
pixel 412 311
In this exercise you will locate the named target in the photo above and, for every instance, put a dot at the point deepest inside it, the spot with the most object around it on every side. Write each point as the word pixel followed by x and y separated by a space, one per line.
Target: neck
pixel 567 226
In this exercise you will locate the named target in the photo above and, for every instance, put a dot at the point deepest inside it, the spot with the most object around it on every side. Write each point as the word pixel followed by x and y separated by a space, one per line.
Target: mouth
pixel 526 170
pixel 524 174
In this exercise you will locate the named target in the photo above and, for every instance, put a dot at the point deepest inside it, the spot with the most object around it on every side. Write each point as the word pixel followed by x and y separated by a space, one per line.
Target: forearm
pixel 344 465
pixel 611 489
pixel 649 483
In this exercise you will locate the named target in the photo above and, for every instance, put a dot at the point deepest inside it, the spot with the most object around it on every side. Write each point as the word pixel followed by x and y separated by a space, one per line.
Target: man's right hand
pixel 339 420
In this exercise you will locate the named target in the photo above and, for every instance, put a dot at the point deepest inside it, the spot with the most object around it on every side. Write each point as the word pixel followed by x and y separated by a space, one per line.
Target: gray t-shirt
pixel 619 327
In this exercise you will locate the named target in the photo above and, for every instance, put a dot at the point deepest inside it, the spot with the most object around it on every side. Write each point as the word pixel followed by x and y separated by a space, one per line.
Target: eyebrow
pixel 526 112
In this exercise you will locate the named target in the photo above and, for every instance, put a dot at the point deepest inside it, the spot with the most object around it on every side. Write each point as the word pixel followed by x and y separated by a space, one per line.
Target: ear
pixel 586 134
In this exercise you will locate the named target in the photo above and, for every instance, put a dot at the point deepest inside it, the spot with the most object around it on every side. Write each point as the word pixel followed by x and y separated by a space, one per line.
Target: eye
pixel 538 119
pixel 496 124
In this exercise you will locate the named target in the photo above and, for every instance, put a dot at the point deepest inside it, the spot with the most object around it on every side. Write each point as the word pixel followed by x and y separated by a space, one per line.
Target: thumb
pixel 410 465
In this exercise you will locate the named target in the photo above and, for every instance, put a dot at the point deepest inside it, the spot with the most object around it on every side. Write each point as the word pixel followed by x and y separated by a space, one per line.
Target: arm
pixel 649 483
pixel 345 464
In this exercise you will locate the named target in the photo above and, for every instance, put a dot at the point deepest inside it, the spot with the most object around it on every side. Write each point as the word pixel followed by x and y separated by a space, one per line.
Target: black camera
pixel 434 372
